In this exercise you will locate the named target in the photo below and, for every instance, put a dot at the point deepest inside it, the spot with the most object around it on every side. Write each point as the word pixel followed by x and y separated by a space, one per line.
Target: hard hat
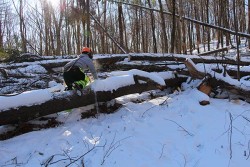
pixel 86 49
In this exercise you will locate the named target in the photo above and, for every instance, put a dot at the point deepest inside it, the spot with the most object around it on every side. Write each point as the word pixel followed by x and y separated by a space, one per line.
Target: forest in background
pixel 149 26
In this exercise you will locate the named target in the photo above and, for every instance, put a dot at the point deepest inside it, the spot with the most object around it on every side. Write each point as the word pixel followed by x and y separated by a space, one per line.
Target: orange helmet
pixel 86 49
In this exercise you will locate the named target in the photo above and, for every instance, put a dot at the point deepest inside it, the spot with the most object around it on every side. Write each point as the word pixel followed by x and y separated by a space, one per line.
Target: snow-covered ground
pixel 173 131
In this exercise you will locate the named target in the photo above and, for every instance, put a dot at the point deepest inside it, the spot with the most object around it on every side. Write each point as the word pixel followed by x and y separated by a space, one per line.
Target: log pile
pixel 182 67
pixel 215 80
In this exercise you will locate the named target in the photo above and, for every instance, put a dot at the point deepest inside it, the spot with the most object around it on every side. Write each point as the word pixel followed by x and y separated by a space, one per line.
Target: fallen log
pixel 61 101
pixel 145 67
pixel 106 61
pixel 233 72
pixel 181 69
pixel 225 49
pixel 182 58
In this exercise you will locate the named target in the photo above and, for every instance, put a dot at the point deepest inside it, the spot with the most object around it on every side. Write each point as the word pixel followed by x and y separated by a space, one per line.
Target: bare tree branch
pixel 190 134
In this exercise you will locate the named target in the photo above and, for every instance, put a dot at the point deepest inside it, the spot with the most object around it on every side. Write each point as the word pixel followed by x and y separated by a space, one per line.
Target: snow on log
pixel 182 58
pixel 193 70
pixel 34 104
pixel 222 80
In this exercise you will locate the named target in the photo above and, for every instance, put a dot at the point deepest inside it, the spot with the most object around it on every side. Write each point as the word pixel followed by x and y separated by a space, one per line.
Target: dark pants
pixel 73 75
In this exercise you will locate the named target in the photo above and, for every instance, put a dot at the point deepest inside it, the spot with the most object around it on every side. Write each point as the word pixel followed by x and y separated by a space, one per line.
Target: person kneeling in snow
pixel 74 71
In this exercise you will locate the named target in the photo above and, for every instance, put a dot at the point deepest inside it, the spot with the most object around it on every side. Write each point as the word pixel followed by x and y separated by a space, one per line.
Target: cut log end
pixel 205 88
pixel 204 102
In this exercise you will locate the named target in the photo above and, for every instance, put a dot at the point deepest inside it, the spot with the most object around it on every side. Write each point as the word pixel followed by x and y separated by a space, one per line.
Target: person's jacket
pixel 84 63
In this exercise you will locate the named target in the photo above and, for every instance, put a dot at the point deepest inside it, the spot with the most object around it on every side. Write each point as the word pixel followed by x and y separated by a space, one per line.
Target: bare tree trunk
pixel 173 27
pixel 226 21
pixel 1 33
pixel 153 28
pixel 136 30
pixel 88 22
pixel 22 26
pixel 40 43
pixel 1 23
pixel 83 4
pixel 103 37
pixel 217 20
pixel 120 21
pixel 190 37
pixel 242 15
pixel 58 25
pixel 249 22
pixel 78 37
pixel 178 43
pixel 220 19
pixel 197 27
pixel 46 15
pixel 52 45
pixel 208 29
pixel 237 38
pixel 163 25
pixel 68 37
pixel 183 28
pixel 144 42
pixel 125 34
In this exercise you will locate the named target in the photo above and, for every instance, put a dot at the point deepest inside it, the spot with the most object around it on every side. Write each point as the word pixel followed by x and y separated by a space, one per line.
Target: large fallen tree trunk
pixel 145 67
pixel 67 100
pixel 182 58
